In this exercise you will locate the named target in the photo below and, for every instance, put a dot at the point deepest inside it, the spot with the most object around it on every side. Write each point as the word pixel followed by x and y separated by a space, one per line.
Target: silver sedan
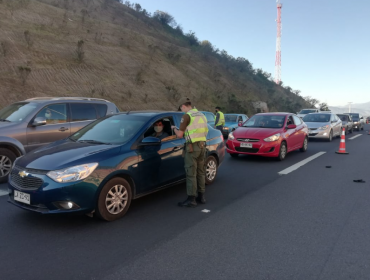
pixel 323 125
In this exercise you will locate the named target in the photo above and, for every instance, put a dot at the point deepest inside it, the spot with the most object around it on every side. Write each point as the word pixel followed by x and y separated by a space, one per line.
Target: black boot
pixel 189 202
pixel 200 199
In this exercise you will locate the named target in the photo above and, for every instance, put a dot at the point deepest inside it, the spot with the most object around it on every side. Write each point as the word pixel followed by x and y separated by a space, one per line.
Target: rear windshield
pixel 307 111
pixel 17 112
pixel 263 121
pixel 317 118
pixel 344 118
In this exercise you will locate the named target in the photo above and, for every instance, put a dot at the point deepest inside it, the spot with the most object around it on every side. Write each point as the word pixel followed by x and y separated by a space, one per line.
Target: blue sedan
pixel 232 122
pixel 105 165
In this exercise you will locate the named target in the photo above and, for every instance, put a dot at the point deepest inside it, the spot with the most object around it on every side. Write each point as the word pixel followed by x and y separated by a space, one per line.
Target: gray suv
pixel 32 123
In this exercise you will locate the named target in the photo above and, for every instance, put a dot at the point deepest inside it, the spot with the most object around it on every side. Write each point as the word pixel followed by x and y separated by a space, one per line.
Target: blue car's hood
pixel 65 153
pixel 231 124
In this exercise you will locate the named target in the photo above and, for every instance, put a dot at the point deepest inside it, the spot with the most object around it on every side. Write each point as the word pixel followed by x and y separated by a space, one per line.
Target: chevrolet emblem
pixel 23 174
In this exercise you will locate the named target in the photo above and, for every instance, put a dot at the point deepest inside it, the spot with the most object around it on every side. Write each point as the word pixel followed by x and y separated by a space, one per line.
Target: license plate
pixel 246 145
pixel 22 197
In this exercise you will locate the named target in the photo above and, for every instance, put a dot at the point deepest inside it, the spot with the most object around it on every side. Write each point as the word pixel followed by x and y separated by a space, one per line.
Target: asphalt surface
pixel 309 224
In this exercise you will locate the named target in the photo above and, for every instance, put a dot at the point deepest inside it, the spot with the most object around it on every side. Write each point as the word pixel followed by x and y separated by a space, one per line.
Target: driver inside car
pixel 158 128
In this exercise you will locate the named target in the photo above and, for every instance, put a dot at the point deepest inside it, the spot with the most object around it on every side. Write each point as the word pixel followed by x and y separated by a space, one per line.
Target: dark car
pixel 347 123
pixel 105 165
pixel 358 121
pixel 32 123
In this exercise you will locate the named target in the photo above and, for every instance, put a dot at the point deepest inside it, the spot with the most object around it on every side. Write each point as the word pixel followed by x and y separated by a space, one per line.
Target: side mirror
pixel 39 121
pixel 292 126
pixel 150 141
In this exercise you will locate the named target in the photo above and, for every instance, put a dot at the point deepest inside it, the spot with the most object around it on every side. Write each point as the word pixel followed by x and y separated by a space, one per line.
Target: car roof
pixel 275 114
pixel 69 99
pixel 150 113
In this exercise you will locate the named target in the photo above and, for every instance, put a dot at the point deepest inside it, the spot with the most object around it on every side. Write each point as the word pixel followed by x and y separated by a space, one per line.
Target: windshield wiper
pixel 93 142
pixel 4 120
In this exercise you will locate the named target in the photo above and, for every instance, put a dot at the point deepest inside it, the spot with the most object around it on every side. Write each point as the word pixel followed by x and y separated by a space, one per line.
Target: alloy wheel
pixel 5 166
pixel 116 199
pixel 283 151
pixel 211 170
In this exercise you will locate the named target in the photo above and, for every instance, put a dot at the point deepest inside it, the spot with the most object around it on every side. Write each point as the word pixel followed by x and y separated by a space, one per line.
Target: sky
pixel 325 43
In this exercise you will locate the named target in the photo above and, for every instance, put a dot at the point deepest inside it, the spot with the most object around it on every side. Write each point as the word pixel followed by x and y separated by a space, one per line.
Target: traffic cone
pixel 342 145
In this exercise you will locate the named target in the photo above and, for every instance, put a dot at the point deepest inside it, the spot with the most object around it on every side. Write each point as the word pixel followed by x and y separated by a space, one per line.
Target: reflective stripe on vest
pixel 197 129
pixel 221 121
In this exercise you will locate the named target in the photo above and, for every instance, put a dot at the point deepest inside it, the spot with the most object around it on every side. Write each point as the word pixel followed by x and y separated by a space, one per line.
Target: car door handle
pixel 177 148
pixel 63 129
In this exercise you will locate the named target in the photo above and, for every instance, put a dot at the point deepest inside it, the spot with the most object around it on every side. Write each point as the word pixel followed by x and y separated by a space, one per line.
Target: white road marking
pixel 206 211
pixel 358 135
pixel 299 164
pixel 2 193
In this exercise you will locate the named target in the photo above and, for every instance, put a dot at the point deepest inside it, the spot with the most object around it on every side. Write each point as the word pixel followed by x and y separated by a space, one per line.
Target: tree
pixel 324 106
pixel 80 51
pixel 165 18
pixel 138 7
pixel 24 72
pixel 312 101
pixel 192 38
pixel 27 37
pixel 84 13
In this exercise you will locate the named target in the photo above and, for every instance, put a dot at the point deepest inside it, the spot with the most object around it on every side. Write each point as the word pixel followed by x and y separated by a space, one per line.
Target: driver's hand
pixel 173 127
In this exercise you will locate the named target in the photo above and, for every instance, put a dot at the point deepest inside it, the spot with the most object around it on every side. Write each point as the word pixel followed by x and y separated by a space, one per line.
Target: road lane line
pixel 299 164
pixel 358 135
pixel 2 193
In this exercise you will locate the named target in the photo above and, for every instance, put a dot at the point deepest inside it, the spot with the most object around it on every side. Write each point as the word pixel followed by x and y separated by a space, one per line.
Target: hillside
pixel 123 56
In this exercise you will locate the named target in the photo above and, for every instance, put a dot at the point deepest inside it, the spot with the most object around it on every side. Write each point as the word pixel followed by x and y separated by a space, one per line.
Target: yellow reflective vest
pixel 197 129
pixel 221 121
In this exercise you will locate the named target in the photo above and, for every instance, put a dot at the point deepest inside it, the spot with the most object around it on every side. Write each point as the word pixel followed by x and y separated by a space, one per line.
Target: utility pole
pixel 349 107
pixel 278 44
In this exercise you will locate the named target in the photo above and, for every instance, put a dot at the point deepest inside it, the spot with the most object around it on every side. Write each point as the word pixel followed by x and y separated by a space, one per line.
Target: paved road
pixel 309 224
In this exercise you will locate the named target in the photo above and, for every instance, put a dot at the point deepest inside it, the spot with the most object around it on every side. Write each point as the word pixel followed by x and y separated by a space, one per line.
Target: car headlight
pixel 73 174
pixel 324 127
pixel 272 138
pixel 231 136
pixel 226 128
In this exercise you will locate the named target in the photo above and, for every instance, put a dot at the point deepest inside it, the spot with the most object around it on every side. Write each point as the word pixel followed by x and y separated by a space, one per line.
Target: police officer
pixel 194 128
pixel 219 119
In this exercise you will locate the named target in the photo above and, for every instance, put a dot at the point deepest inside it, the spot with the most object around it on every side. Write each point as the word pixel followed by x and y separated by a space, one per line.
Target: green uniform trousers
pixel 195 168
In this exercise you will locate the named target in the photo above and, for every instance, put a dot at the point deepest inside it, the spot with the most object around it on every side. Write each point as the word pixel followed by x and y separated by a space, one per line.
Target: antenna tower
pixel 278 44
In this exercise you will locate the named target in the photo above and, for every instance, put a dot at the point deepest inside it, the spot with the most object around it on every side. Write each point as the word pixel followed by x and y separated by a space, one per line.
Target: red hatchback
pixel 269 135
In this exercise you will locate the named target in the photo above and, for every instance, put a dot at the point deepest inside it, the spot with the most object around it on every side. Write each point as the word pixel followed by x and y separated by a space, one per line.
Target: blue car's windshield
pixel 265 121
pixel 317 118
pixel 17 112
pixel 117 129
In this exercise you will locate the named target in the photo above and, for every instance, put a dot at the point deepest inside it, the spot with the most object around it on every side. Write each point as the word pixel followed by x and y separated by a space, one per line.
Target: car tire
pixel 330 136
pixel 282 151
pixel 234 155
pixel 305 145
pixel 351 131
pixel 118 190
pixel 362 128
pixel 7 158
pixel 346 131
pixel 211 169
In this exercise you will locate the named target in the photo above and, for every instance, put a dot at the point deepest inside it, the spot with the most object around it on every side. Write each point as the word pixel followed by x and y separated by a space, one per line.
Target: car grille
pixel 247 140
pixel 312 128
pixel 29 182
pixel 312 134
pixel 246 150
